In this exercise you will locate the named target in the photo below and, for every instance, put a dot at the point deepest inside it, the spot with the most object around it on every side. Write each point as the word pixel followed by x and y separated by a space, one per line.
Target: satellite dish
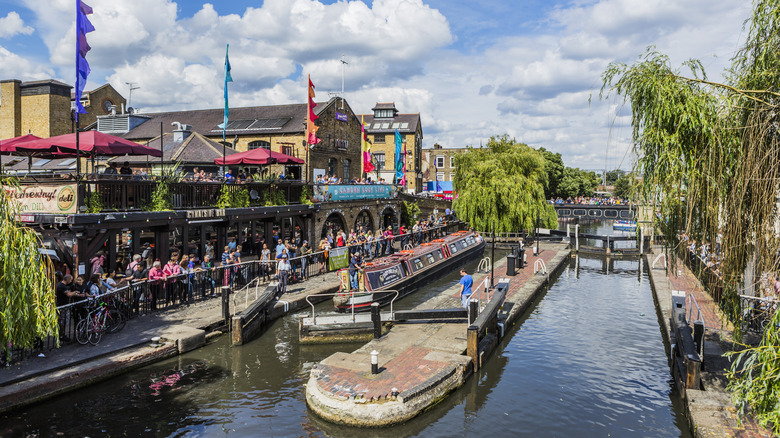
pixel 130 110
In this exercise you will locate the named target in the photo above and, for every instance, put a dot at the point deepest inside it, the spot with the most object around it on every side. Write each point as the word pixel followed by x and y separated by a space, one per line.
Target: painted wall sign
pixel 342 117
pixel 353 191
pixel 384 277
pixel 45 199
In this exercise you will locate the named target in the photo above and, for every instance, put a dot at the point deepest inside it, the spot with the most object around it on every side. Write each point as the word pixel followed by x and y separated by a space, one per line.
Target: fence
pixel 146 296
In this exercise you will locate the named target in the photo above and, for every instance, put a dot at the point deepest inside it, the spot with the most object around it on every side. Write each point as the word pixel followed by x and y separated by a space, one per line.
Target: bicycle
pixel 102 319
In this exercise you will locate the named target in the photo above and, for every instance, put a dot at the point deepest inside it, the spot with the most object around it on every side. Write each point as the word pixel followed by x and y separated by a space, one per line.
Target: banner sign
pixel 385 277
pixel 338 258
pixel 353 191
pixel 60 199
pixel 342 117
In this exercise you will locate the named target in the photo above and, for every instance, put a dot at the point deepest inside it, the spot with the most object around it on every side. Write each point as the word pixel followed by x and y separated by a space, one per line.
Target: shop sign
pixel 55 199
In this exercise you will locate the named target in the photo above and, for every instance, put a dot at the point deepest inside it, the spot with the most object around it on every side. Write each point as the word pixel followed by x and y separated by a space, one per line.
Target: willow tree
pixel 27 301
pixel 502 183
pixel 709 153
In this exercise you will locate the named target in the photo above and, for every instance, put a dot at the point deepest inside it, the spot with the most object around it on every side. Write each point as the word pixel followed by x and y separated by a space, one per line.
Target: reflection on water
pixel 588 360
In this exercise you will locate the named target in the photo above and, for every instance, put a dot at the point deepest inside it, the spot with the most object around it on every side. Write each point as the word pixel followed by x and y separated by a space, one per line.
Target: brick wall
pixel 10 109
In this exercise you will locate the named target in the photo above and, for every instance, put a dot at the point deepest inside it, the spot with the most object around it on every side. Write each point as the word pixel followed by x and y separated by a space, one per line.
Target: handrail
pixel 352 296
pixel 486 262
pixel 656 259
pixel 540 266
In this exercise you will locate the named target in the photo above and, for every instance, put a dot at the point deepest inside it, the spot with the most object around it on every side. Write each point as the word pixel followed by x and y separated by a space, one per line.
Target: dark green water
pixel 588 360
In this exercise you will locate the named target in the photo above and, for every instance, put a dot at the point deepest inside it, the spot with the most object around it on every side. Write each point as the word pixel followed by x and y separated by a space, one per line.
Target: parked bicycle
pixel 103 318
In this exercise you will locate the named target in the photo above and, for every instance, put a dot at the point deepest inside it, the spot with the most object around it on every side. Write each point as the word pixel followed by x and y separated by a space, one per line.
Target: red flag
pixel 311 128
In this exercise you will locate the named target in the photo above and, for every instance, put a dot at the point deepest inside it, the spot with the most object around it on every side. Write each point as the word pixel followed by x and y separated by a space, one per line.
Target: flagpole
pixel 78 96
pixel 228 78
pixel 362 137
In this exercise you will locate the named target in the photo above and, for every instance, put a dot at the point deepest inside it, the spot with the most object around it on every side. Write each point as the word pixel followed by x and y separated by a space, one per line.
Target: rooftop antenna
pixel 132 87
pixel 343 64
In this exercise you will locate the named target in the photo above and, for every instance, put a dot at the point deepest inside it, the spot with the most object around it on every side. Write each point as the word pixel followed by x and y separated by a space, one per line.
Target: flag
pixel 83 27
pixel 228 78
pixel 399 160
pixel 311 128
pixel 365 146
pixel 437 188
pixel 403 180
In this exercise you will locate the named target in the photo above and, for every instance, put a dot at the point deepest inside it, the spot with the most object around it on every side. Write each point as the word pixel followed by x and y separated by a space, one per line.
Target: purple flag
pixel 83 27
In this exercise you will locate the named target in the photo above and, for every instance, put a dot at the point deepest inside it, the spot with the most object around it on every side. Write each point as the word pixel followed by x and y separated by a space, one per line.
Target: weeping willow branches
pixel 709 153
pixel 502 183
pixel 27 307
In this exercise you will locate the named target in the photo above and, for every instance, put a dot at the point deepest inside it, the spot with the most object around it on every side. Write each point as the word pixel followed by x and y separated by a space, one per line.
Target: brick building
pixel 279 128
pixel 440 161
pixel 380 130
pixel 45 108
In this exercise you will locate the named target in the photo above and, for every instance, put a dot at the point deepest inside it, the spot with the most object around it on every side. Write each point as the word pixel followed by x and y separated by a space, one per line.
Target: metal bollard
pixel 226 304
pixel 376 318
pixel 698 337
pixel 374 362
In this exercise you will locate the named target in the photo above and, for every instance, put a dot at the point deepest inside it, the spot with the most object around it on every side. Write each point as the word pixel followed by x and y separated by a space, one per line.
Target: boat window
pixel 431 259
pixel 463 244
pixel 438 254
pixel 470 240
pixel 418 264
pixel 453 248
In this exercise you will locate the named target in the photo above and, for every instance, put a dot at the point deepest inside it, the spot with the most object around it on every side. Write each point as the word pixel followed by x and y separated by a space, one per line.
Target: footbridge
pixel 623 212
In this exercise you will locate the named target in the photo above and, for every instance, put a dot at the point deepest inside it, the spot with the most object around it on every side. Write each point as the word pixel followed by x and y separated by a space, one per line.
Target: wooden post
pixel 376 318
pixel 238 330
pixel 473 311
pixel 472 346
pixel 226 305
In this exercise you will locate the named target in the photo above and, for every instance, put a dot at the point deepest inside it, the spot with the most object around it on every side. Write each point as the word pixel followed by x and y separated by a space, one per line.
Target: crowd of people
pixel 590 200
pixel 290 259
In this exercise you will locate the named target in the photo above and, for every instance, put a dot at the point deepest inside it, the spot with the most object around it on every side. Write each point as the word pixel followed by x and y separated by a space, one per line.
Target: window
pixel 342 144
pixel 431 260
pixel 453 248
pixel 259 144
pixel 380 160
pixel 331 166
pixel 383 113
pixel 418 264
pixel 396 125
pixel 346 170
pixel 386 125
pixel 452 162
pixel 452 176
pixel 404 125
pixel 379 138
pixel 41 162
pixel 440 176
pixel 67 162
pixel 439 161
pixel 287 150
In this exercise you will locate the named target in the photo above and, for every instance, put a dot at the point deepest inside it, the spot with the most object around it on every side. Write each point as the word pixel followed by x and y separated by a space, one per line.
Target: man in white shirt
pixel 283 269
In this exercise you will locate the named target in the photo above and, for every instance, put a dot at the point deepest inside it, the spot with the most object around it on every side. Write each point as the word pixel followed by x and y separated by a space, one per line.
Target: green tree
pixel 613 176
pixel 26 284
pixel 502 183
pixel 553 165
pixel 569 187
pixel 708 153
pixel 624 186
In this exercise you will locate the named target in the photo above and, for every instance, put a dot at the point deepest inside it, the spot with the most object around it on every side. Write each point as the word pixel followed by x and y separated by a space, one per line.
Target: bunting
pixel 311 128
pixel 83 27
pixel 365 146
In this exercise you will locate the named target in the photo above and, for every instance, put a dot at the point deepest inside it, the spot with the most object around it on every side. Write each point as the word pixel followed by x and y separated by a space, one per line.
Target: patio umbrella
pixel 90 143
pixel 8 147
pixel 258 156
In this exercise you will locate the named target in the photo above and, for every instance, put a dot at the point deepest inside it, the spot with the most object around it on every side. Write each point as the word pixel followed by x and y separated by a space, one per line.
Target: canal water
pixel 587 360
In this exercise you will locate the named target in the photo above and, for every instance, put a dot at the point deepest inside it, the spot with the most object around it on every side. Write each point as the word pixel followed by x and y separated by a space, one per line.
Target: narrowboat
pixel 622 225
pixel 407 270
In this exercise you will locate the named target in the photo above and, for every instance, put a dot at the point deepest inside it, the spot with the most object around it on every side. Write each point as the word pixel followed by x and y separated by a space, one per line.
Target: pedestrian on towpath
pixel 465 288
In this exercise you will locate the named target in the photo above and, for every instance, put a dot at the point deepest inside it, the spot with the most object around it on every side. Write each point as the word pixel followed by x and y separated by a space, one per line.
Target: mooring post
pixel 376 318
pixel 641 240
pixel 472 345
pixel 374 362
pixel 577 236
pixel 226 305
pixel 698 337
pixel 473 310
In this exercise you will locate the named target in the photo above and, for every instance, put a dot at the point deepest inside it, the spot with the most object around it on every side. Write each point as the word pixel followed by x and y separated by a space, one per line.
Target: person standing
pixel 265 262
pixel 207 266
pixel 323 257
pixel 465 288
pixel 170 271
pixel 126 170
pixel 305 251
pixel 283 268
pixel 354 267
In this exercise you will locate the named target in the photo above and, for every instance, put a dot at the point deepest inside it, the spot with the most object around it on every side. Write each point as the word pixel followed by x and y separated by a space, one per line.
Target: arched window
pixel 259 144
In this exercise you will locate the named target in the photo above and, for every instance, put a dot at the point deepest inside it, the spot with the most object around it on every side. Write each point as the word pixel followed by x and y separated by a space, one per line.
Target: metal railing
pixel 757 313
pixel 352 298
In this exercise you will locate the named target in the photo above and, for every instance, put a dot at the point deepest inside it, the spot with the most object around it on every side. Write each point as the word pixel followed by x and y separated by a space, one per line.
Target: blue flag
pixel 399 158
pixel 228 78
pixel 436 172
pixel 83 27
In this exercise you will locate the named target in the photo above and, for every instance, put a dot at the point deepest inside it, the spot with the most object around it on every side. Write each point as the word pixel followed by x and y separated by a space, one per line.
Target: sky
pixel 530 69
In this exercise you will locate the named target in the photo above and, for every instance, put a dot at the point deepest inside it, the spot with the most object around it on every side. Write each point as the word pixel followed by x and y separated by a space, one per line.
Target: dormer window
pixel 383 114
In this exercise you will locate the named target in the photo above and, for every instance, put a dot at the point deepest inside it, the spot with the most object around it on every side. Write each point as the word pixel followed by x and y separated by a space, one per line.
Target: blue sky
pixel 472 69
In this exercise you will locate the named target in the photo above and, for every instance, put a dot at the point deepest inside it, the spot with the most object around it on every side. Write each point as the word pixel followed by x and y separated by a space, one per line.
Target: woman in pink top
pixel 389 240
pixel 156 278
pixel 171 270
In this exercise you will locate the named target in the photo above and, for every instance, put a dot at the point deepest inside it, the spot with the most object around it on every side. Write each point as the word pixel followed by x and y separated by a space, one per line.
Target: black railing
pixel 149 296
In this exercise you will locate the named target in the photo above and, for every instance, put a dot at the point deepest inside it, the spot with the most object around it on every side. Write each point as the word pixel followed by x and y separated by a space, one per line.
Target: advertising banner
pixel 353 191
pixel 59 199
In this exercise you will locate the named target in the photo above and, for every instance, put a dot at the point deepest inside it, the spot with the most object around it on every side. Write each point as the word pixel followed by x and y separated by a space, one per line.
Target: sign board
pixel 338 258
pixel 353 191
pixel 342 117
pixel 384 277
pixel 55 199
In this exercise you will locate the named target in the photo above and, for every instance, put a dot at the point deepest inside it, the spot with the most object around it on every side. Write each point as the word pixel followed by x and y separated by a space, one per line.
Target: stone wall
pixel 348 212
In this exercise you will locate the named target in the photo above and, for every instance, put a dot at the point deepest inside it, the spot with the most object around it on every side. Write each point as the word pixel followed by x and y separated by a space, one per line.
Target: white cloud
pixel 13 66
pixel 12 24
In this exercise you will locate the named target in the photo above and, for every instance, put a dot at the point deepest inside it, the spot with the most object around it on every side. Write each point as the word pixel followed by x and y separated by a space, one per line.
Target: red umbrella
pixel 258 156
pixel 90 142
pixel 8 146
